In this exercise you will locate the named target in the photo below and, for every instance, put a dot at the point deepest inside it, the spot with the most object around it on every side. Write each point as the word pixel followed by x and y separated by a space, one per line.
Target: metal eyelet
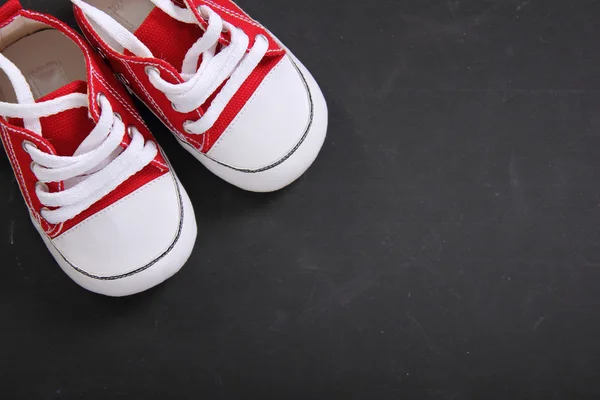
pixel 99 97
pixel 149 69
pixel 42 186
pixel 130 131
pixel 26 143
pixel 118 116
pixel 32 165
pixel 203 14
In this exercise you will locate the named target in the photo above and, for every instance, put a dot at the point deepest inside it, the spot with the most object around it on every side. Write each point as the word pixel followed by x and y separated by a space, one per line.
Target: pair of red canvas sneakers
pixel 100 191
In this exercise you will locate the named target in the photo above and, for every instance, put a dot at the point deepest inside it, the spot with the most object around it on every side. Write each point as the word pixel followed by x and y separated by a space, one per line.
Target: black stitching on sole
pixel 147 266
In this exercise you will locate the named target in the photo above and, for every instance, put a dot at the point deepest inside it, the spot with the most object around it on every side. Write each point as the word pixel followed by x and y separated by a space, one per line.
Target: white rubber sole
pixel 146 278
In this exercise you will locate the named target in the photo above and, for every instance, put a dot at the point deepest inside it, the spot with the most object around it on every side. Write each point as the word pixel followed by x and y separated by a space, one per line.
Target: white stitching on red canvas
pixel 50 229
pixel 10 151
pixel 158 109
pixel 146 63
pixel 29 136
pixel 178 79
pixel 115 54
pixel 150 97
pixel 35 139
pixel 10 21
pixel 13 156
pixel 119 98
pixel 162 164
pixel 131 110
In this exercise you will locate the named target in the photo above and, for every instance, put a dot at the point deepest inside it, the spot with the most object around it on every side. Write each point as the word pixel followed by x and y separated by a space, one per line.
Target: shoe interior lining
pixel 18 28
pixel 48 60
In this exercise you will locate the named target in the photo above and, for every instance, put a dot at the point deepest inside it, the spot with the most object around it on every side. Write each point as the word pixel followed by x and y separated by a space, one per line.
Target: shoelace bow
pixel 98 166
pixel 232 63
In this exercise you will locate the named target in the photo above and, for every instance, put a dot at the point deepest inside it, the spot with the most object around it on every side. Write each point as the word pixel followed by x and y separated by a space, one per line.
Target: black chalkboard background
pixel 445 245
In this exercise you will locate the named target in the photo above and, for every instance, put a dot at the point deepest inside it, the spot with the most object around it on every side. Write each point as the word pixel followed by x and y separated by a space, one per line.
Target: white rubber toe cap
pixel 277 135
pixel 133 245
pixel 271 125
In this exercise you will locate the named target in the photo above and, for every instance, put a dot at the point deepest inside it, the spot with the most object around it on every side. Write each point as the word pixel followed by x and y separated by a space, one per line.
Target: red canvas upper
pixel 64 132
pixel 157 27
pixel 157 33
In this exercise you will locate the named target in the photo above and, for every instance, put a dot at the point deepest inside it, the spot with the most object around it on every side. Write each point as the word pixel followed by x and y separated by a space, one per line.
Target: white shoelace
pixel 232 64
pixel 97 167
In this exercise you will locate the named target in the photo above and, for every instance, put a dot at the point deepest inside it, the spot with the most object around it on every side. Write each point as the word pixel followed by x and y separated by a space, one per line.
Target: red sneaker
pixel 102 196
pixel 231 93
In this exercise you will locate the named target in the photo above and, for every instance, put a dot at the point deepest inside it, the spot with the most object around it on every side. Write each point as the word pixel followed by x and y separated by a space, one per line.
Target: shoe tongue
pixel 156 32
pixel 67 130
